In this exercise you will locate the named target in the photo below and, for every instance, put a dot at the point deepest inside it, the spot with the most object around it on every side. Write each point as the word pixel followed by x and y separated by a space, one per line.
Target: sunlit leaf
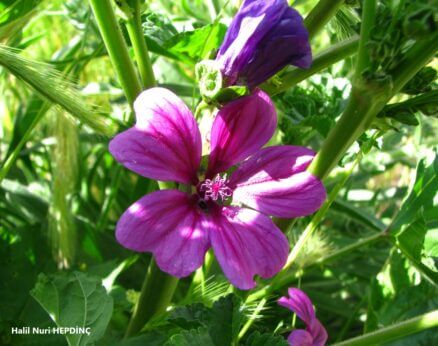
pixel 75 300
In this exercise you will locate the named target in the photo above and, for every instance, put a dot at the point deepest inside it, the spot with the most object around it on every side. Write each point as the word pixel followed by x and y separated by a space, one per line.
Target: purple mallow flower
pixel 264 37
pixel 315 333
pixel 179 226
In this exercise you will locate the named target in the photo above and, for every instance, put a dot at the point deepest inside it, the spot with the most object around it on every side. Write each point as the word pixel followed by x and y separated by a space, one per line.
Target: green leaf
pixel 396 294
pixel 23 254
pixel 194 337
pixel 411 242
pixel 75 300
pixel 193 46
pixel 431 243
pixel 226 319
pixel 190 316
pixel 157 29
pixel 26 201
pixel 421 194
pixel 257 339
pixel 222 321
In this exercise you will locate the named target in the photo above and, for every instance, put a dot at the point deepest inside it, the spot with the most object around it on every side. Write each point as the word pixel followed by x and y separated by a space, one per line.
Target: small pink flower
pixel 179 227
pixel 315 333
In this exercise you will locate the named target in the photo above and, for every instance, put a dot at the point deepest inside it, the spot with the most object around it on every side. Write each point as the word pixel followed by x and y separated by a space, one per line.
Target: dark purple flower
pixel 315 333
pixel 264 37
pixel 179 226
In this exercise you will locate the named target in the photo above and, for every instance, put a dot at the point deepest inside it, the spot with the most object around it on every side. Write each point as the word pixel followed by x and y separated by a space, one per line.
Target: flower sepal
pixel 211 84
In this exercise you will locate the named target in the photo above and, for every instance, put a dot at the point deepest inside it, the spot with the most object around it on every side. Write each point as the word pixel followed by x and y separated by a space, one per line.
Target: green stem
pixel 110 195
pixel 350 248
pixel 326 58
pixel 368 20
pixel 116 47
pixel 357 116
pixel 396 331
pixel 135 32
pixel 320 15
pixel 156 294
pixel 366 101
pixel 418 56
pixel 252 318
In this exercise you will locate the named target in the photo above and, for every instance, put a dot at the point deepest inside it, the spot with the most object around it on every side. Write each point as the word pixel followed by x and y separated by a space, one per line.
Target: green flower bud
pixel 211 83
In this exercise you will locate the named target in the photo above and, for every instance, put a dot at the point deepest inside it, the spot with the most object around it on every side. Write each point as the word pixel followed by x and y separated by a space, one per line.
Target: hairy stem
pixel 320 15
pixel 156 294
pixel 358 115
pixel 418 56
pixel 135 32
pixel 350 248
pixel 368 20
pixel 252 318
pixel 396 331
pixel 326 58
pixel 117 48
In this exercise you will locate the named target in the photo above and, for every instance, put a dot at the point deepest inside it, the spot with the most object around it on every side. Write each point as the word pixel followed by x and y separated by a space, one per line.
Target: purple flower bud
pixel 264 37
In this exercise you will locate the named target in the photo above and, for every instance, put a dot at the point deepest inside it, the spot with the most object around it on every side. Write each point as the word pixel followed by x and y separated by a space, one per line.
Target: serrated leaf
pixel 193 46
pixel 226 319
pixel 257 339
pixel 194 337
pixel 75 300
pixel 420 196
pixel 190 316
pixel 411 242
pixel 396 294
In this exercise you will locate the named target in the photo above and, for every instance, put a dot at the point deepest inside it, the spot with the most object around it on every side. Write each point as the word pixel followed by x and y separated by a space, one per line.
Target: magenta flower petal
pixel 263 37
pixel 240 129
pixel 251 23
pixel 247 243
pixel 319 333
pixel 300 337
pixel 274 181
pixel 300 303
pixel 165 143
pixel 286 43
pixel 167 224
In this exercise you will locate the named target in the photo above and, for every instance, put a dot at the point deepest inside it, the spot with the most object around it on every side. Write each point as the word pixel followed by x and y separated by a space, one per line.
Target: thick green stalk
pixel 368 20
pixel 156 294
pixel 320 15
pixel 366 101
pixel 326 58
pixel 418 56
pixel 363 105
pixel 358 115
pixel 135 32
pixel 396 331
pixel 116 47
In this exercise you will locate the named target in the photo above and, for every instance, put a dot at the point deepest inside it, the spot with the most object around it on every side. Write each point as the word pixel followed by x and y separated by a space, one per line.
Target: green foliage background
pixel 370 263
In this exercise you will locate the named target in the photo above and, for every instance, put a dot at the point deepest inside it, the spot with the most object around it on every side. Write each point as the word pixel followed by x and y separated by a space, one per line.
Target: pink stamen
pixel 216 188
